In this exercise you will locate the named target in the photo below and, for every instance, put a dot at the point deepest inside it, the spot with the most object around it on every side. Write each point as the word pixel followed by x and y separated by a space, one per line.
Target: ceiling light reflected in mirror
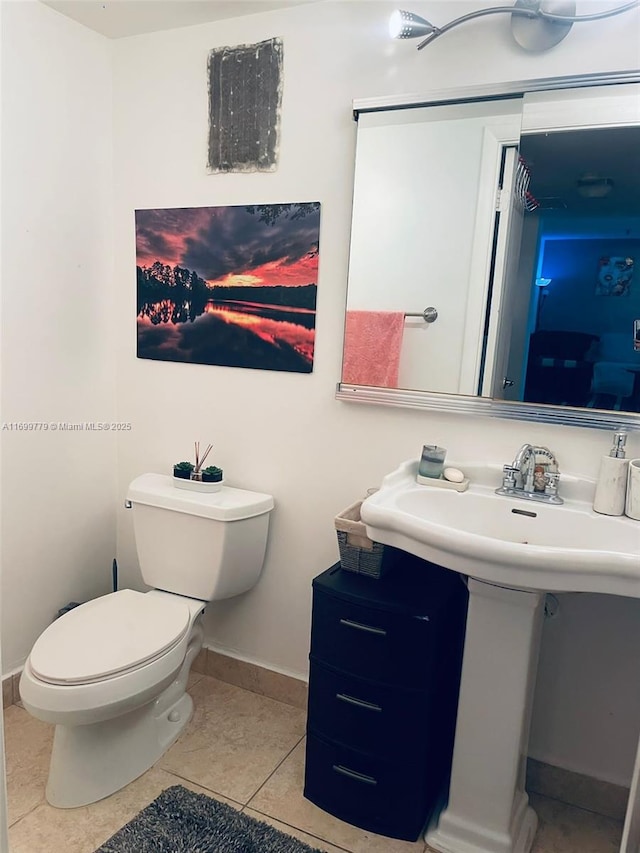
pixel 590 185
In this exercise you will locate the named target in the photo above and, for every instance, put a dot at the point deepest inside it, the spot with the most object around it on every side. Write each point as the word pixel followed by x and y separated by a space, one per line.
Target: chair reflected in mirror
pixel 560 368
pixel 611 380
pixel 616 374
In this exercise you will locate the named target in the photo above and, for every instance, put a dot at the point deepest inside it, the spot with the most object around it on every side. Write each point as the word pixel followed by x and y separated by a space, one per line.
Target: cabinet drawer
pixel 371 643
pixel 384 797
pixel 379 719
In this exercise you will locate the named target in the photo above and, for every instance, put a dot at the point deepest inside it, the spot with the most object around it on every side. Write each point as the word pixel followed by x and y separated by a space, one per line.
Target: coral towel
pixel 372 342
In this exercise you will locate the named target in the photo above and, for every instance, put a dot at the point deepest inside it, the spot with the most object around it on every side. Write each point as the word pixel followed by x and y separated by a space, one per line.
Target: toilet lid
pixel 107 636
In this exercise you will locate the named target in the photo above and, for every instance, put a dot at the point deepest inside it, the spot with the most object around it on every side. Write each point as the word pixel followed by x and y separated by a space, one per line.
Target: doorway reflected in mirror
pixel 578 250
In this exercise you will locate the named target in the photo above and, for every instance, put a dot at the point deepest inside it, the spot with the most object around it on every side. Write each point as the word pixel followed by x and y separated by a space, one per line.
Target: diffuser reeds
pixel 200 461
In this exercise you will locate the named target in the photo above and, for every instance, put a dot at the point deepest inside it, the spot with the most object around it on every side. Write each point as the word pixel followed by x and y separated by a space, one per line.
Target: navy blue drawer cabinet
pixel 383 691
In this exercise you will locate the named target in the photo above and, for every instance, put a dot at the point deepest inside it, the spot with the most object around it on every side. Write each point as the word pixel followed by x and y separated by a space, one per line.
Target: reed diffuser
pixel 187 475
pixel 196 474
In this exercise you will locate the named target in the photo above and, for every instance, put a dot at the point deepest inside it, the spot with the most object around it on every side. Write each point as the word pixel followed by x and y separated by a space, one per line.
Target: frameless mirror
pixel 493 247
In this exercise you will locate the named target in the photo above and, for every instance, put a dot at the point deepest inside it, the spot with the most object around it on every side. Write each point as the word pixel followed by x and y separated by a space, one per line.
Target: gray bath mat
pixel 179 821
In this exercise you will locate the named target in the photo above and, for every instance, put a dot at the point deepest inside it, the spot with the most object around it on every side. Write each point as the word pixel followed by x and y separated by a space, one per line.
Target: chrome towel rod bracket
pixel 429 315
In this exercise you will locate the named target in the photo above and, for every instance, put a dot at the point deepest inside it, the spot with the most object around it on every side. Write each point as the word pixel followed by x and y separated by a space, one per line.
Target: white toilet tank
pixel 199 544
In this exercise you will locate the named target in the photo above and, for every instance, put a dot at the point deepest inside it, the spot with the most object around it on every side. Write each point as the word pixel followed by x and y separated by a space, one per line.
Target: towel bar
pixel 429 315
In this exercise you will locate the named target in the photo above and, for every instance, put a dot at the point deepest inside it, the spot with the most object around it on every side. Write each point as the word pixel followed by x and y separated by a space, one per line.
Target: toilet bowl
pixel 111 674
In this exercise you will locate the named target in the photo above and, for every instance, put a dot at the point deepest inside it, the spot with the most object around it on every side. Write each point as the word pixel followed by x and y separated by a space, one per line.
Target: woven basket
pixel 358 553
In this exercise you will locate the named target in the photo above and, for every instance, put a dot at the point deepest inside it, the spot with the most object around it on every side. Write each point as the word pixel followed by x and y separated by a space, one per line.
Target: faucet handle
pixel 509 476
pixel 551 486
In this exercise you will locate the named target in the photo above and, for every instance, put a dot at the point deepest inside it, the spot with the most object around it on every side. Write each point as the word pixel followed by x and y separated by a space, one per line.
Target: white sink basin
pixel 508 541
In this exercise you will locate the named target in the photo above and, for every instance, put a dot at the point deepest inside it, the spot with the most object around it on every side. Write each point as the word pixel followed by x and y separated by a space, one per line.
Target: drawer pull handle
pixel 360 627
pixel 359 777
pixel 351 700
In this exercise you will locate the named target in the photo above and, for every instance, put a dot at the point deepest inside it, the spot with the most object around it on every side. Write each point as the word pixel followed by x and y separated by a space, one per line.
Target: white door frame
pixel 631 833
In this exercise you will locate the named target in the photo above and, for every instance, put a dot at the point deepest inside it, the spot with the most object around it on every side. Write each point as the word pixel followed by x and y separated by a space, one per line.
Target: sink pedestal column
pixel 488 810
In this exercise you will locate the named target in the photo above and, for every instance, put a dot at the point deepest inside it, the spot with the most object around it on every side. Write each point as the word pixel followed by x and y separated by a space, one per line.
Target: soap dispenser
pixel 611 488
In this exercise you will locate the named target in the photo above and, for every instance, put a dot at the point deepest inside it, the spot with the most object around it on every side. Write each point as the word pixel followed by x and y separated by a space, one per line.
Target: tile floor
pixel 244 749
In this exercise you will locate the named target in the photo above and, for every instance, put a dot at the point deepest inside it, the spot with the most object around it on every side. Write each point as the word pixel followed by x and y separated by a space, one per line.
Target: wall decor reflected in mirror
pixel 494 253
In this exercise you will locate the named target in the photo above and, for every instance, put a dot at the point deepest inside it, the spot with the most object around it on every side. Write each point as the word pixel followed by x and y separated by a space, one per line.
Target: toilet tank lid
pixel 228 504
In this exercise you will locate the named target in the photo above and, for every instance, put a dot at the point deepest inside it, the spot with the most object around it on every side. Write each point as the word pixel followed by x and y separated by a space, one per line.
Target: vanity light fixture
pixel 535 24
pixel 407 25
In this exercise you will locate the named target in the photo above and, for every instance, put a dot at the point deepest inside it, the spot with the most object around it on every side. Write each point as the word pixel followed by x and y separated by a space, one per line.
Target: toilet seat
pixel 108 637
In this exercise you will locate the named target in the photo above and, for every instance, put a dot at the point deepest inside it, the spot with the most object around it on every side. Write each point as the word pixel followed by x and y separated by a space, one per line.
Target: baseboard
pixel 588 793
pixel 253 677
pixel 258 679
pixel 10 691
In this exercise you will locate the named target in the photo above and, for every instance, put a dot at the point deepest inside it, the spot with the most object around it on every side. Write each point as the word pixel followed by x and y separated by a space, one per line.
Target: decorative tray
pixel 197 485
pixel 441 483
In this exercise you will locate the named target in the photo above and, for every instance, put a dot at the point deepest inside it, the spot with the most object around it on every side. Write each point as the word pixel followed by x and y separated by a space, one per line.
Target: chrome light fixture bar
pixel 535 24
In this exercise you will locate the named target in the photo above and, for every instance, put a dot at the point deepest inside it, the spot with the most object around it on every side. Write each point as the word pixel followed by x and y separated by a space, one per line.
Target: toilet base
pixel 91 762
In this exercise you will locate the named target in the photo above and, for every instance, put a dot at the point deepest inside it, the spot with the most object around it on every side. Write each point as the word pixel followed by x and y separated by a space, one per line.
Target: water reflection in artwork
pixel 233 286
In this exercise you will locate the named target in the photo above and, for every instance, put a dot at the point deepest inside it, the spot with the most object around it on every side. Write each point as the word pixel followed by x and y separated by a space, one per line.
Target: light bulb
pixel 406 25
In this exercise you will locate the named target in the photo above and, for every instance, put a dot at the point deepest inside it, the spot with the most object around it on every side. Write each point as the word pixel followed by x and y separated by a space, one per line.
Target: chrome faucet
pixel 521 480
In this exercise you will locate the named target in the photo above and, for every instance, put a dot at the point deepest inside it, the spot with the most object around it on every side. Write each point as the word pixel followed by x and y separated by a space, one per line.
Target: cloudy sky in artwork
pixel 234 245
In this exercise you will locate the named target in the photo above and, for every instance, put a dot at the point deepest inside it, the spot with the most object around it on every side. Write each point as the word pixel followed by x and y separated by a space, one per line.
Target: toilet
pixel 111 674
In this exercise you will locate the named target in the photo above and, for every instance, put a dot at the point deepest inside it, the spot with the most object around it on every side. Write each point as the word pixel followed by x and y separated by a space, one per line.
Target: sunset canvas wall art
pixel 233 286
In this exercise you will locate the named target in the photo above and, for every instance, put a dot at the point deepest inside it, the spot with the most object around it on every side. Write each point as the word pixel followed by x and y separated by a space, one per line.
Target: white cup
pixel 632 506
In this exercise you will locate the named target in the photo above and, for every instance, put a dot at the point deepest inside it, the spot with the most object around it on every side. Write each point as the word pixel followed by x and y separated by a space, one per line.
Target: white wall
pixel 58 488
pixel 286 433
pixel 4 839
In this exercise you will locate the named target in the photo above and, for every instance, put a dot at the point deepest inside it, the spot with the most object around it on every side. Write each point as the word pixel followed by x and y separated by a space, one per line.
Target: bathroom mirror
pixel 494 252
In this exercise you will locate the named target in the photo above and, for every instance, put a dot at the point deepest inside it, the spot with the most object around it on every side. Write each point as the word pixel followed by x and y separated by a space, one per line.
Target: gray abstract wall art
pixel 245 95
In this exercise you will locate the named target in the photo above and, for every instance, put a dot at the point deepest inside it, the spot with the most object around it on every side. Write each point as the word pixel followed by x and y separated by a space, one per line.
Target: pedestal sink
pixel 508 541
pixel 512 552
